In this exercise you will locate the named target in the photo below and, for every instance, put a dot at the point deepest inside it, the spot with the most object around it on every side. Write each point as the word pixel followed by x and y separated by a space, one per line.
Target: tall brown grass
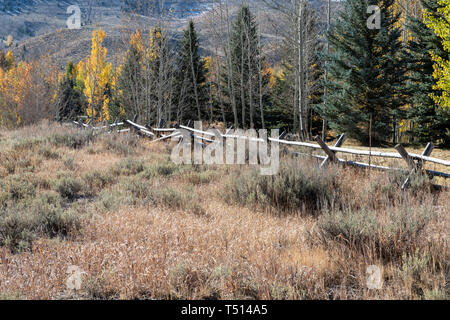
pixel 141 227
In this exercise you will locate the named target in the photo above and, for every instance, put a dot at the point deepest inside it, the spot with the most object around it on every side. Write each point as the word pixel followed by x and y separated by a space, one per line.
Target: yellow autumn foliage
pixel 97 74
pixel 26 91
pixel 441 27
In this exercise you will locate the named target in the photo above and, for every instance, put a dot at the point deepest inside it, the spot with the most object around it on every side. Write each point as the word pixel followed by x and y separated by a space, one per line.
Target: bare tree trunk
pixel 219 87
pixel 242 84
pixel 261 108
pixel 211 116
pixel 230 71
pixel 325 93
pixel 194 79
pixel 250 76
pixel 300 69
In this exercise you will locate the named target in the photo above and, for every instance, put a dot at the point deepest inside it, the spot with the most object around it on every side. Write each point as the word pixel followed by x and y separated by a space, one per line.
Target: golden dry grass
pixel 140 249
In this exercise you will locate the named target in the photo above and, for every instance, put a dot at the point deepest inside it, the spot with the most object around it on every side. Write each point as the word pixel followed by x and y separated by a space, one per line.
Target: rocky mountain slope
pixel 39 27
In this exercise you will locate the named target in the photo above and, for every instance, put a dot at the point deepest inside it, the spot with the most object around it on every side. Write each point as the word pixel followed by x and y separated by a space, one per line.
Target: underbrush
pixel 44 215
pixel 386 234
pixel 141 193
pixel 73 140
pixel 301 186
pixel 144 228
pixel 124 145
pixel 294 188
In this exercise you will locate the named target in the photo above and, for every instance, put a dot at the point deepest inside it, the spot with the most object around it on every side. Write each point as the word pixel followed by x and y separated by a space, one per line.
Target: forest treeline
pixel 388 84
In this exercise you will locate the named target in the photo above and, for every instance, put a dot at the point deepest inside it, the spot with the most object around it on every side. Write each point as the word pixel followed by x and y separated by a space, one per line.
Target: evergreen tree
pixel 129 84
pixel 247 67
pixel 279 113
pixel 70 101
pixel 191 94
pixel 430 122
pixel 366 74
pixel 3 63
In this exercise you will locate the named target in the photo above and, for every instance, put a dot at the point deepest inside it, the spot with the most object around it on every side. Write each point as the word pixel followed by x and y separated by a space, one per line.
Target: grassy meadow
pixel 141 227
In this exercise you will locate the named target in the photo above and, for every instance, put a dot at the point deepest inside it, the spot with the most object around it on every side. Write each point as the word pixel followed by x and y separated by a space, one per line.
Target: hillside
pixel 31 18
pixel 39 27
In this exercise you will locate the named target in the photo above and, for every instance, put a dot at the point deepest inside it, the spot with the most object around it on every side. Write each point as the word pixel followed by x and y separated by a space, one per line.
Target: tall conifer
pixel 366 74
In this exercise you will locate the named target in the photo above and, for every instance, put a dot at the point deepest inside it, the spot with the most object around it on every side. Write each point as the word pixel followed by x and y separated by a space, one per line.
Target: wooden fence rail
pixel 414 162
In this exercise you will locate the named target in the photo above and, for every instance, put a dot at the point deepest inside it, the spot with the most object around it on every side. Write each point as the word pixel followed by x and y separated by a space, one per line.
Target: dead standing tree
pixel 301 40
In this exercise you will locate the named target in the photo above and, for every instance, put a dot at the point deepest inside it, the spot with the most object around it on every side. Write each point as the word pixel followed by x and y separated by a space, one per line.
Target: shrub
pixel 123 144
pixel 109 200
pixel 138 189
pixel 97 288
pixel 419 276
pixel 435 294
pixel 69 163
pixel 160 170
pixel 165 196
pixel 184 280
pixel 55 221
pixel 166 169
pixel 17 187
pixel 97 180
pixel 72 140
pixel 294 187
pixel 27 144
pixel 48 153
pixel 387 234
pixel 129 167
pixel 199 178
pixel 12 161
pixel 68 187
pixel 11 296
pixel 21 224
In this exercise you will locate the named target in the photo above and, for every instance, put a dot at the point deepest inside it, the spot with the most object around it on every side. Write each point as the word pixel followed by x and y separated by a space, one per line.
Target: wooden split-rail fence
pixel 415 162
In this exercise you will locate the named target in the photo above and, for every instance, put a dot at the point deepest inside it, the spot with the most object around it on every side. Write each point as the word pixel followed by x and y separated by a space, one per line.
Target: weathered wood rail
pixel 414 162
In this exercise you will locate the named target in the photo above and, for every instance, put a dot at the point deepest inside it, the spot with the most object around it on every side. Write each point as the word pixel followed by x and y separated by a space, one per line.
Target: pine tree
pixel 70 101
pixel 190 80
pixel 429 121
pixel 279 113
pixel 366 74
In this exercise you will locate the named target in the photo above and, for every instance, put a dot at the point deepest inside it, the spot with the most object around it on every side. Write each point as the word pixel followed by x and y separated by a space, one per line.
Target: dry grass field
pixel 140 227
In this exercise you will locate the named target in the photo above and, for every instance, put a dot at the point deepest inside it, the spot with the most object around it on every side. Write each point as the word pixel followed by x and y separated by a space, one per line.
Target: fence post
pixel 414 167
pixel 426 153
pixel 338 144
pixel 331 155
